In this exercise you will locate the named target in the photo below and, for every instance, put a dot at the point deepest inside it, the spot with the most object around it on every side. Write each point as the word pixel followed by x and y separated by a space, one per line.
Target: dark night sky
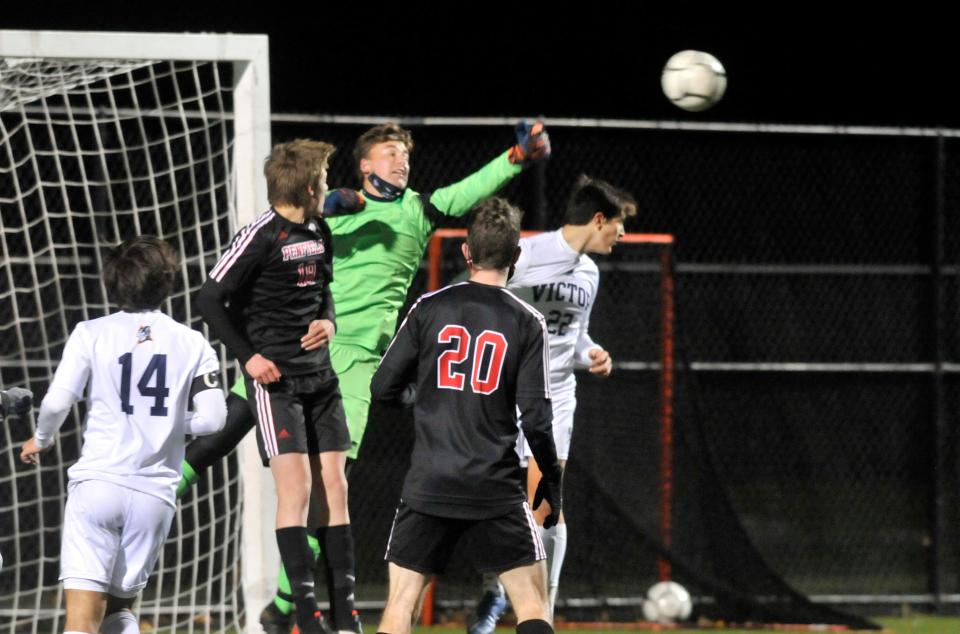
pixel 788 63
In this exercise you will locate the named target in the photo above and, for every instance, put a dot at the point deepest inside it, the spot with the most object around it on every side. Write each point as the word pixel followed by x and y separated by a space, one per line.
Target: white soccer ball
pixel 693 80
pixel 667 602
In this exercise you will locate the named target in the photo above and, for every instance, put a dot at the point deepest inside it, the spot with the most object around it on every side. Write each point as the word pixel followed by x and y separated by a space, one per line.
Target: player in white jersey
pixel 144 371
pixel 556 276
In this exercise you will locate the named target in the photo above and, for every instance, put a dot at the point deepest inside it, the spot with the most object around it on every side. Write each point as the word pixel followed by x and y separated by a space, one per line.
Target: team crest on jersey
pixel 304 249
pixel 143 334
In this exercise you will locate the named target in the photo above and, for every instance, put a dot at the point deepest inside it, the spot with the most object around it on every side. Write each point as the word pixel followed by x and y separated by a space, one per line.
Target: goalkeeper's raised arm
pixel 532 145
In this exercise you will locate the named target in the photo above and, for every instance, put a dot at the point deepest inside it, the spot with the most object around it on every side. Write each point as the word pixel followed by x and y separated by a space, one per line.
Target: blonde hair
pixel 294 167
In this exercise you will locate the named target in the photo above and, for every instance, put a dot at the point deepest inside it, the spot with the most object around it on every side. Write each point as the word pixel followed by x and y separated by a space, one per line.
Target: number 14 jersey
pixel 140 367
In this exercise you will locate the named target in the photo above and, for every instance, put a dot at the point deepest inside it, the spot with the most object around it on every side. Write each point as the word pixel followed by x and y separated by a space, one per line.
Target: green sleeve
pixel 459 198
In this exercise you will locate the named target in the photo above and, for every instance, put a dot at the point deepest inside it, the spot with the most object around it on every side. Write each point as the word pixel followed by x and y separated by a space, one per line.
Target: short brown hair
pixel 293 167
pixel 380 134
pixel 140 273
pixel 493 234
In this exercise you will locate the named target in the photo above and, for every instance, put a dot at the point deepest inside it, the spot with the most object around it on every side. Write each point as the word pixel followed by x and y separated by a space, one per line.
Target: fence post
pixel 540 212
pixel 941 432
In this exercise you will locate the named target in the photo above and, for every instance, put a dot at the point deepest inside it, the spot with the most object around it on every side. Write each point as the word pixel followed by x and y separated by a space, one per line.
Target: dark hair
pixel 493 234
pixel 591 195
pixel 139 274
pixel 293 167
pixel 380 134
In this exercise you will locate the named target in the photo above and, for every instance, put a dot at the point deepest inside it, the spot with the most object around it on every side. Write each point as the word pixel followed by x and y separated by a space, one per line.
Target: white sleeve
pixel 581 356
pixel 541 262
pixel 66 388
pixel 209 413
pixel 73 371
pixel 209 405
pixel 53 411
pixel 209 362
pixel 521 267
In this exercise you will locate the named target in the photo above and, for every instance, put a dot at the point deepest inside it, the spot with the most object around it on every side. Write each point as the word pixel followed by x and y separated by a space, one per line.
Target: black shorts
pixel 424 542
pixel 299 414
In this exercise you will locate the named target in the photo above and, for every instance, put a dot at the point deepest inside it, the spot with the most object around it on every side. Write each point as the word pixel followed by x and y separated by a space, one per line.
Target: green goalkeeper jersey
pixel 377 251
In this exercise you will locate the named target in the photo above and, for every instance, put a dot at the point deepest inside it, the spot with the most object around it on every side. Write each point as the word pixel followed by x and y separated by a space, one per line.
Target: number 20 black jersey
pixel 476 353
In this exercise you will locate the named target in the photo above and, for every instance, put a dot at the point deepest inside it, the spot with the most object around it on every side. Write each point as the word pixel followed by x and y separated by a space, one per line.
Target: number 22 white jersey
pixel 140 367
pixel 562 284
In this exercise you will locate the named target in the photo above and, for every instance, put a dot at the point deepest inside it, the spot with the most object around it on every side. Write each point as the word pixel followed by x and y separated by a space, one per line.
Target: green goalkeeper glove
pixel 343 201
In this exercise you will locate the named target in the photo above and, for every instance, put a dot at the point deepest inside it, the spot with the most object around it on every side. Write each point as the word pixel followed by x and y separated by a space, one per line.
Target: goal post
pixel 104 135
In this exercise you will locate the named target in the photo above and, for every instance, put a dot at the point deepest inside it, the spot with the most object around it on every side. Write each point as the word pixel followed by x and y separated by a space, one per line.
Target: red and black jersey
pixel 267 287
pixel 476 354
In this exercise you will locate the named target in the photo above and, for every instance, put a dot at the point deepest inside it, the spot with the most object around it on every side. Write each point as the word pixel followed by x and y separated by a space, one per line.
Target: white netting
pixel 92 153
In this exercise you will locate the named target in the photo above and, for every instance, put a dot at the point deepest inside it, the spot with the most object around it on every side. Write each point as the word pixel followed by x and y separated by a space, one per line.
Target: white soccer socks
pixel 555 542
pixel 122 622
pixel 491 583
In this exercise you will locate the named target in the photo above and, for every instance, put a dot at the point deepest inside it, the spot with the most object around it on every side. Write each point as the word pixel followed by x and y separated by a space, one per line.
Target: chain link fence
pixel 817 279
pixel 817 315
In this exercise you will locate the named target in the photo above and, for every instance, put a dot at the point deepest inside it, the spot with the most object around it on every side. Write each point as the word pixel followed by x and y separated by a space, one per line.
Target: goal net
pixel 102 137
pixel 643 500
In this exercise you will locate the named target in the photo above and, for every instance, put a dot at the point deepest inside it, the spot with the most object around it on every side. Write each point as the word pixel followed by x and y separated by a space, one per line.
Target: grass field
pixel 891 625
pixel 921 625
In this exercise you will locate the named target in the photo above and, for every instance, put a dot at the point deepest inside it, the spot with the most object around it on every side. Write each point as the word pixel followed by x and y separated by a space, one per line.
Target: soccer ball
pixel 693 80
pixel 667 602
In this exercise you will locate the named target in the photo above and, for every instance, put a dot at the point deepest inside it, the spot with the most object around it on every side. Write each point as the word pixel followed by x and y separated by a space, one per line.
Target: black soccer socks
pixel 534 626
pixel 298 560
pixel 336 544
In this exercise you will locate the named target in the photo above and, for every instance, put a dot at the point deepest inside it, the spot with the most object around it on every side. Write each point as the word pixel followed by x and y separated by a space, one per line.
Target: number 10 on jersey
pixel 489 353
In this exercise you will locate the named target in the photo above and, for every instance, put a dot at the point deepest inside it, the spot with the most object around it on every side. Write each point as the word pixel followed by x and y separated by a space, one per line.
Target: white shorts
pixel 112 537
pixel 564 406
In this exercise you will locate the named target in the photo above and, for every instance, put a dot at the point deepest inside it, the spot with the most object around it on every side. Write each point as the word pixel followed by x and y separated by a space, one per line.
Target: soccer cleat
pixel 489 610
pixel 353 627
pixel 316 625
pixel 274 621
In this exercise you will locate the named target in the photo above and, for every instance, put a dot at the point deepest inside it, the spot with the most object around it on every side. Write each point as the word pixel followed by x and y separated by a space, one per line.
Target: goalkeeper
pixel 377 252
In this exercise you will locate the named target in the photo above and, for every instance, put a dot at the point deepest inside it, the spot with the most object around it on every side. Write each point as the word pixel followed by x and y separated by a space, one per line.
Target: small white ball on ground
pixel 667 602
